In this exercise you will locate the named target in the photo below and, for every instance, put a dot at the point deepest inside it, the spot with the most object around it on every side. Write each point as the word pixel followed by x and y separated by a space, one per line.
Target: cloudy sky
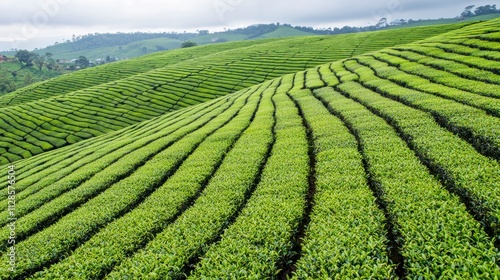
pixel 38 23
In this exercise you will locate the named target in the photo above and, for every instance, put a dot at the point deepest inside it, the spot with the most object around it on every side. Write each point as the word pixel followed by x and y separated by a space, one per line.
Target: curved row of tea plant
pixel 119 239
pixel 272 214
pixel 430 223
pixel 478 185
pixel 198 226
pixel 76 227
pixel 58 198
pixel 474 123
pixel 345 214
pixel 109 73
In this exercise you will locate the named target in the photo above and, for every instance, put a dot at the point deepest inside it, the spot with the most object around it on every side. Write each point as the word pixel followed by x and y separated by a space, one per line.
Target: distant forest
pixel 479 11
pixel 98 40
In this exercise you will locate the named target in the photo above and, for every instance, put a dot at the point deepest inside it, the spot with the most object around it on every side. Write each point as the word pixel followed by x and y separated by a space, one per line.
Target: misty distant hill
pixel 127 45
pixel 99 47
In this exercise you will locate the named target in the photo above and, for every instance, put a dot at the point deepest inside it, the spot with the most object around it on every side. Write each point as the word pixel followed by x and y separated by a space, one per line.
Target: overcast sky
pixel 38 23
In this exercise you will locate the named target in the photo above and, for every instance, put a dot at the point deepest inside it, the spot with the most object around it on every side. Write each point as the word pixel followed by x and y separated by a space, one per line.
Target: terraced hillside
pixel 100 100
pixel 383 165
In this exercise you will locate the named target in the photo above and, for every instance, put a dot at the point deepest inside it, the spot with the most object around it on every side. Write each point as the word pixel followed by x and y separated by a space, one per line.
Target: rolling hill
pixel 381 163
pixel 95 101
pixel 130 45
pixel 105 48
pixel 129 50
pixel 123 45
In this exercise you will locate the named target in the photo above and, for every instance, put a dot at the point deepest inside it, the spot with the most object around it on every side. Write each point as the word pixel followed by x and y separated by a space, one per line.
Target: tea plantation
pixel 99 100
pixel 374 155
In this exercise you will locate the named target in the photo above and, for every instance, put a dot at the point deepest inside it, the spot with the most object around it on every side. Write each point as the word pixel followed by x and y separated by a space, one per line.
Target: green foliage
pixel 188 44
pixel 145 180
pixel 82 61
pixel 471 123
pixel 438 82
pixel 486 9
pixel 25 57
pixel 14 75
pixel 259 239
pixel 7 82
pixel 39 61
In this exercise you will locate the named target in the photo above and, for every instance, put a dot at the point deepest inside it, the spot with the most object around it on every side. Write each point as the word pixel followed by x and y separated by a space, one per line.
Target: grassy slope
pixel 403 110
pixel 104 99
pixel 135 49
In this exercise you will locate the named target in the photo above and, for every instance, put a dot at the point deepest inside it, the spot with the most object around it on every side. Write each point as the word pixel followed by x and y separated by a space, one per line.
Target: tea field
pixel 348 157
pixel 99 100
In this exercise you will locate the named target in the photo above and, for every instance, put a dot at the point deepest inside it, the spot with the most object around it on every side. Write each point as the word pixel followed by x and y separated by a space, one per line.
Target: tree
pixel 39 61
pixel 486 10
pixel 82 61
pixel 25 57
pixel 160 48
pixel 7 83
pixel 188 44
pixel 51 64
pixel 28 79
pixel 382 23
pixel 467 12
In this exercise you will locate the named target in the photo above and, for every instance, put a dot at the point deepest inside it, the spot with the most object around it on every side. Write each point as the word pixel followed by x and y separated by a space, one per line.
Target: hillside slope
pixel 129 45
pixel 381 166
pixel 92 102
